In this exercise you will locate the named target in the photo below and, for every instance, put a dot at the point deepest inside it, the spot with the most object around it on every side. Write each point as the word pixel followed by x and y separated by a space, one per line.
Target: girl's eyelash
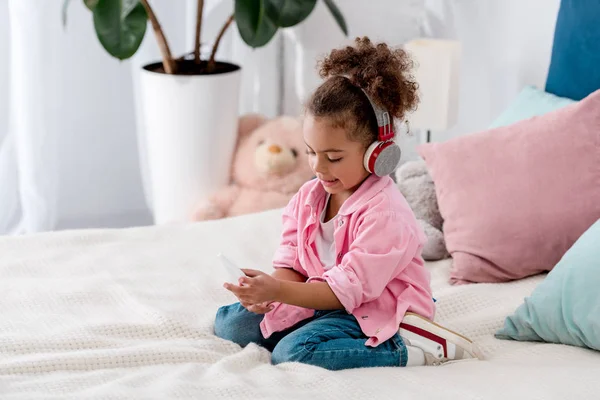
pixel 328 159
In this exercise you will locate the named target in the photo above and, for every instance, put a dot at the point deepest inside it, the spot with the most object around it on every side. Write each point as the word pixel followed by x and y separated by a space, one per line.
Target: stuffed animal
pixel 269 166
pixel 418 188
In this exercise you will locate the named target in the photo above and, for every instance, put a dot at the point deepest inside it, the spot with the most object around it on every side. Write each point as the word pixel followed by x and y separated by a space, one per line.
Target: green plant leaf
pixel 254 23
pixel 337 14
pixel 120 26
pixel 91 4
pixel 286 13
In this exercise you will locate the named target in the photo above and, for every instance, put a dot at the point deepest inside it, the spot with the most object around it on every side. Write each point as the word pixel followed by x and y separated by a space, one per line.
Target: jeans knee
pixel 236 324
pixel 289 351
pixel 222 324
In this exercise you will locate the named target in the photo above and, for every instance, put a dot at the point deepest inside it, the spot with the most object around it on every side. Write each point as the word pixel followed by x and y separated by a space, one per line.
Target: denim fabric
pixel 331 340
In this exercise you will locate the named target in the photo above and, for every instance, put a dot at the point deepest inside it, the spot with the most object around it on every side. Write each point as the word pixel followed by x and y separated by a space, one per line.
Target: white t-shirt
pixel 324 241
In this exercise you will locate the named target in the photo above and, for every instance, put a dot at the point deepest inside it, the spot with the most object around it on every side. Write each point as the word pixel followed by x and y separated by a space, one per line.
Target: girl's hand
pixel 256 288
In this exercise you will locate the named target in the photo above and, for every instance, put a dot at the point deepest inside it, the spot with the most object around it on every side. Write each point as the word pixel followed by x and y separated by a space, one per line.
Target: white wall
pixel 103 123
pixel 99 172
pixel 506 45
pixel 391 21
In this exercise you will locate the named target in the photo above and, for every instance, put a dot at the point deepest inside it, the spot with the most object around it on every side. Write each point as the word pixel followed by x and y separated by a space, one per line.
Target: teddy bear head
pixel 271 154
pixel 416 184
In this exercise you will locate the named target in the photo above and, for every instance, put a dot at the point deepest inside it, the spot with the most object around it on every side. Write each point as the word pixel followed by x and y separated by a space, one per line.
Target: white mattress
pixel 125 314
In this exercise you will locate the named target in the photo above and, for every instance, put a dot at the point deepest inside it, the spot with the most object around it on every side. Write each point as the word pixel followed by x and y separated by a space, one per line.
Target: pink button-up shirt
pixel 379 273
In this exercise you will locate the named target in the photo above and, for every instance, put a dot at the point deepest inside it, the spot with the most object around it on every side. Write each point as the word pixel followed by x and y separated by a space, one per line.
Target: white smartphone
pixel 233 270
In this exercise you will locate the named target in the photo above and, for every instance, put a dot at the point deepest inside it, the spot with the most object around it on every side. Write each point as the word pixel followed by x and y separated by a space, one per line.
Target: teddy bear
pixel 417 186
pixel 269 166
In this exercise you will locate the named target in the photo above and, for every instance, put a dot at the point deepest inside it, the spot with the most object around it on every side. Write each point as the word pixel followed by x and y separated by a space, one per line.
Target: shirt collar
pixel 366 191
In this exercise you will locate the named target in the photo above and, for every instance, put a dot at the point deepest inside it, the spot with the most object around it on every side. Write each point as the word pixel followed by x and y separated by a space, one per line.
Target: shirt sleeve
pixel 382 249
pixel 286 255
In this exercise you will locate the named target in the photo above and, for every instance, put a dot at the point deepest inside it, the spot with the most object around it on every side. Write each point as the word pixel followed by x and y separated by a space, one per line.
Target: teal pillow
pixel 565 306
pixel 529 103
pixel 574 71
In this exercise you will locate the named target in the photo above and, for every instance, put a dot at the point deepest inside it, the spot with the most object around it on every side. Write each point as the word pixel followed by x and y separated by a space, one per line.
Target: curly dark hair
pixel 383 73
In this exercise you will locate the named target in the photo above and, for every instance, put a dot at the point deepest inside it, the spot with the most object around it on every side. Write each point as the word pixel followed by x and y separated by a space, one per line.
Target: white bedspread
pixel 128 314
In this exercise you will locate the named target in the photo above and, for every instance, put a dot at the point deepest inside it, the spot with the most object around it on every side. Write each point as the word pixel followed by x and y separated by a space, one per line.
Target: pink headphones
pixel 382 156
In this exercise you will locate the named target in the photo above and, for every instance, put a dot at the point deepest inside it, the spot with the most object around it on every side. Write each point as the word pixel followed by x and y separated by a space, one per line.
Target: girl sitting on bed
pixel 350 288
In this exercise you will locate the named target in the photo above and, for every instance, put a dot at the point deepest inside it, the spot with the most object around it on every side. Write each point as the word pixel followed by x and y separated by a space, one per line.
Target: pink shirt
pixel 379 273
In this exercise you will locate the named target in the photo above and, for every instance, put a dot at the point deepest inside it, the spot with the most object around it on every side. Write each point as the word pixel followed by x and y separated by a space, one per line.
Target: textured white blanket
pixel 128 314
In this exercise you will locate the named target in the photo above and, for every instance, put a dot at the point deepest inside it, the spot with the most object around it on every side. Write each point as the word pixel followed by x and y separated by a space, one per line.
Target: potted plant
pixel 190 105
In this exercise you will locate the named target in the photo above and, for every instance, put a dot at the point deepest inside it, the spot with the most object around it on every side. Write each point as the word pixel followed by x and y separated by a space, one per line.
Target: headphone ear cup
pixel 382 158
pixel 388 159
pixel 369 153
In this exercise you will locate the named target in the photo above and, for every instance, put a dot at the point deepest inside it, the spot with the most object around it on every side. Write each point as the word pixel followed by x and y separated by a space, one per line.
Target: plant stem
pixel 168 62
pixel 184 56
pixel 198 31
pixel 211 62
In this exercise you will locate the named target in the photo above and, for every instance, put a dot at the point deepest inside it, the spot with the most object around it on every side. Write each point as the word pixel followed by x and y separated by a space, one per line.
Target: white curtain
pixel 28 167
pixel 69 150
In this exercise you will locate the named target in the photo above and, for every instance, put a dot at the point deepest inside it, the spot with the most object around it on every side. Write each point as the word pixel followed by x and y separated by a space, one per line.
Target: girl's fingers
pixel 237 290
pixel 244 281
pixel 252 272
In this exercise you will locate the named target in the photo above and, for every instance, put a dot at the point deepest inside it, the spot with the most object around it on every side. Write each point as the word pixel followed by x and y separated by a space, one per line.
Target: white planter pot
pixel 190 126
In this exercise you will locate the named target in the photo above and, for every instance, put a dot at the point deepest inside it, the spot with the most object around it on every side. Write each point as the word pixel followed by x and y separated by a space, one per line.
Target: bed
pixel 128 313
pixel 122 314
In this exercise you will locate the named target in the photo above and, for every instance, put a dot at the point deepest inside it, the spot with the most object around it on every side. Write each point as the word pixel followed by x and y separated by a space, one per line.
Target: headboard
pixel 575 64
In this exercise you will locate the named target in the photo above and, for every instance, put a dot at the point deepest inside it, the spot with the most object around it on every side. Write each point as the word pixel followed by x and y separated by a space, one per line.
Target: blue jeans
pixel 331 340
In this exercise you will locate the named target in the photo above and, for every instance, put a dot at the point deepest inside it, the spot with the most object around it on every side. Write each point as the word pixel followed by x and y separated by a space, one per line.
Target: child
pixel 349 289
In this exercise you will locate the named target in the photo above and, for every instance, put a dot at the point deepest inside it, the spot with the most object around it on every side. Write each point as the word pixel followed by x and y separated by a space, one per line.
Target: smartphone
pixel 233 270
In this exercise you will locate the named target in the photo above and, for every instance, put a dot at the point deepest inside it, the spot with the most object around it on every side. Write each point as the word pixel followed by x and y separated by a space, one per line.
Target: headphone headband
pixel 384 122
pixel 382 156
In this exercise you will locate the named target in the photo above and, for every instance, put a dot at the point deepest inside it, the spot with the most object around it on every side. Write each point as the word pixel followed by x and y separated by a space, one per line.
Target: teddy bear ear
pixel 411 169
pixel 249 122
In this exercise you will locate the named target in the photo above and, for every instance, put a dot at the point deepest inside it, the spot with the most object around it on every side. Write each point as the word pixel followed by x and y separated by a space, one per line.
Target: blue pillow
pixel 565 306
pixel 530 102
pixel 575 63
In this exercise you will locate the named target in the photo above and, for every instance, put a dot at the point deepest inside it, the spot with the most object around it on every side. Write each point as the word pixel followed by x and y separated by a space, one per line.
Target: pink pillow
pixel 515 198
